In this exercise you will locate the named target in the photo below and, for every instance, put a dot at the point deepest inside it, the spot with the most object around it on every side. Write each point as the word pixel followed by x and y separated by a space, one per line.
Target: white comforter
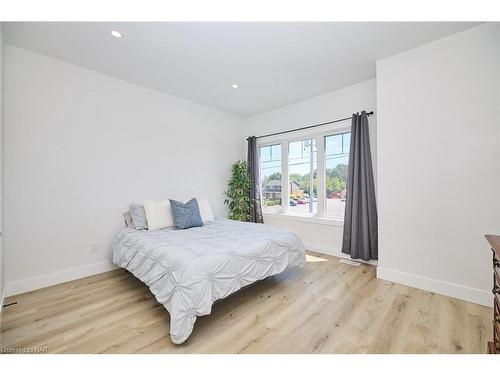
pixel 188 270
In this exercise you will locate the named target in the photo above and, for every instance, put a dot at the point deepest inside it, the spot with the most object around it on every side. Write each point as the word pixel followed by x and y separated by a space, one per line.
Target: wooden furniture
pixel 494 346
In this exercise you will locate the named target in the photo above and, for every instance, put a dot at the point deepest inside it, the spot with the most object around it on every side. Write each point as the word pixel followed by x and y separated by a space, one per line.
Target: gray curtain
pixel 360 238
pixel 253 164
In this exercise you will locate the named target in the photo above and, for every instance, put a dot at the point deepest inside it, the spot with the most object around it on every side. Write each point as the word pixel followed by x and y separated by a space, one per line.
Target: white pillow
pixel 205 210
pixel 158 214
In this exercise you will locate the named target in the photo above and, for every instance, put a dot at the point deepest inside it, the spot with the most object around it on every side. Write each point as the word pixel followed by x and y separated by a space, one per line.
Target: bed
pixel 188 270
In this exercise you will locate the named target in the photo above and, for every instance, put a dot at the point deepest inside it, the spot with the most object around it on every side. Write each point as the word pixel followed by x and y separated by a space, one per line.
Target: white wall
pixel 2 112
pixel 80 147
pixel 439 163
pixel 330 106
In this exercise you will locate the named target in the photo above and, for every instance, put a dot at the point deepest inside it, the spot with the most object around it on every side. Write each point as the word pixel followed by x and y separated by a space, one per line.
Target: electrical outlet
pixel 94 248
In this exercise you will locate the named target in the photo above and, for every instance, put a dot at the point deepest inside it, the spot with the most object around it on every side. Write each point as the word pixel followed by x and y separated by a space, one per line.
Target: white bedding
pixel 188 270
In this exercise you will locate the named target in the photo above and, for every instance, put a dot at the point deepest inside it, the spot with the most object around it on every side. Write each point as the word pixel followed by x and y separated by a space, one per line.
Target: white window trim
pixel 305 219
pixel 319 136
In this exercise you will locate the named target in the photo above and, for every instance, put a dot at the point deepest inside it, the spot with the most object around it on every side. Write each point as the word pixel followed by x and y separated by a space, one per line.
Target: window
pixel 270 178
pixel 336 161
pixel 306 176
pixel 302 165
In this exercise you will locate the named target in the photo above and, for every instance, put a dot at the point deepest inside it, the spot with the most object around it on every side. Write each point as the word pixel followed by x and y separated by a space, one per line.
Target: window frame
pixel 313 139
pixel 325 214
pixel 259 146
pixel 319 136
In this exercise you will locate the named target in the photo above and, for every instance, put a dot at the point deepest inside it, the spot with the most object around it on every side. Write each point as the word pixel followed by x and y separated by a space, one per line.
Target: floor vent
pixel 350 262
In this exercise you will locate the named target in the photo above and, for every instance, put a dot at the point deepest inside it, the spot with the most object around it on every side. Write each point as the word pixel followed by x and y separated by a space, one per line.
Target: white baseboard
pixel 328 250
pixel 482 297
pixel 27 285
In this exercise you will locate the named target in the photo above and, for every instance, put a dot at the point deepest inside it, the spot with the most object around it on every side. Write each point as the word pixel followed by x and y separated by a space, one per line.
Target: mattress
pixel 188 270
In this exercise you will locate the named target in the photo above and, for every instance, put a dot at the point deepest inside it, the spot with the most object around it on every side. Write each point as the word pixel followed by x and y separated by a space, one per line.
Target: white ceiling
pixel 274 64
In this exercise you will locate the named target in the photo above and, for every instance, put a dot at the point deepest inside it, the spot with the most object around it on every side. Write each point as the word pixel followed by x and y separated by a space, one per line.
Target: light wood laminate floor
pixel 327 307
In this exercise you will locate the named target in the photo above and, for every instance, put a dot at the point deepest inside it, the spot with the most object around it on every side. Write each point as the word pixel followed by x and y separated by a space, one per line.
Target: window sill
pixel 305 219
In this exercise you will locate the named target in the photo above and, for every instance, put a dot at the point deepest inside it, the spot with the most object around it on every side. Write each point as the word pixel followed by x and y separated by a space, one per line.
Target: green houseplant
pixel 238 192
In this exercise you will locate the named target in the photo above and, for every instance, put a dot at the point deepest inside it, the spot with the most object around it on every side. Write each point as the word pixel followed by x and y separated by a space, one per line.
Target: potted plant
pixel 238 192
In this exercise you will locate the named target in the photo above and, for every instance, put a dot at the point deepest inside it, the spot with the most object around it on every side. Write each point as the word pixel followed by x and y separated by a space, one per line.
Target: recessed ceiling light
pixel 116 34
pixel 234 86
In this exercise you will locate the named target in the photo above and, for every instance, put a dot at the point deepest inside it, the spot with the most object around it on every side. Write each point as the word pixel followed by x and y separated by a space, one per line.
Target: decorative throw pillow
pixel 138 216
pixel 128 220
pixel 158 214
pixel 205 210
pixel 186 215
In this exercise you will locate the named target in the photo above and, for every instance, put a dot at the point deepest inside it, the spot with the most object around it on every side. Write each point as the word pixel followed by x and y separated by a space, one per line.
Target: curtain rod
pixel 310 126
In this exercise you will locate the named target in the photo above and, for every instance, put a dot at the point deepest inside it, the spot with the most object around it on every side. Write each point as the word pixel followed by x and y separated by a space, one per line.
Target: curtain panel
pixel 360 238
pixel 253 165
